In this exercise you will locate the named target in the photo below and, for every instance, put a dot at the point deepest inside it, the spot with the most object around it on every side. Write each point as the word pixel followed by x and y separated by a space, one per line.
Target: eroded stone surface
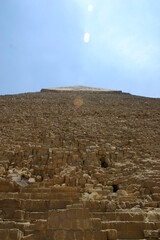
pixel 79 165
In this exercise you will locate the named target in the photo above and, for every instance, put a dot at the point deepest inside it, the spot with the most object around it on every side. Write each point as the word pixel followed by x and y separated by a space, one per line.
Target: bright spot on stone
pixel 78 102
pixel 90 7
pixel 86 37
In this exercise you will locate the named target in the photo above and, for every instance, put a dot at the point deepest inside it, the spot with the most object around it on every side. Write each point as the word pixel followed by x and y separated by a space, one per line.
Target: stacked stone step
pixel 21 212
pixel 131 225
pixel 154 176
pixel 151 183
pixel 75 223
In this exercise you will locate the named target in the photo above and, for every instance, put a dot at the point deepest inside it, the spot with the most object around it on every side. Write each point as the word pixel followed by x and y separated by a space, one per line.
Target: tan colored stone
pixel 83 173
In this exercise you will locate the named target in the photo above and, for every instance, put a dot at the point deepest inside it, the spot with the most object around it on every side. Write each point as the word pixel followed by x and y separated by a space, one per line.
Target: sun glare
pixel 90 7
pixel 86 37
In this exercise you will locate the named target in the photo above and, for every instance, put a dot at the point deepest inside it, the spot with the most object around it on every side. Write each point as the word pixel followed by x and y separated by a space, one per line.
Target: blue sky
pixel 42 45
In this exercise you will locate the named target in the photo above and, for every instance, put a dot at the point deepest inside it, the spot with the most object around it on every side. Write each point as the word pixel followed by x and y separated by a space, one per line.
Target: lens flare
pixel 78 102
pixel 86 37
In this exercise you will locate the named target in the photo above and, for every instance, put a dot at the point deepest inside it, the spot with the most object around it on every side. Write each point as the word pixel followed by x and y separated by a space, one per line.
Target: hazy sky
pixel 102 43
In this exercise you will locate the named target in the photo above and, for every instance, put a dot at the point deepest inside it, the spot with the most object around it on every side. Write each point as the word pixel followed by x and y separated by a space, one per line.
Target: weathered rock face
pixel 79 165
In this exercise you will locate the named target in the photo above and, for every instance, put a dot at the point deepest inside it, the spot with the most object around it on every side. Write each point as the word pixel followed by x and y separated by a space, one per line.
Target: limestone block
pixel 152 234
pixel 10 234
pixel 92 196
pixel 96 223
pixel 103 235
pixel 19 214
pixel 75 157
pixel 122 193
pixel 58 180
pixel 153 216
pixel 56 204
pixel 112 234
pixel 156 196
pixel 69 235
pixel 38 178
pixel 35 205
pixel 31 180
pixel 2 171
pixel 6 186
pixel 89 188
pixel 60 234
pixel 78 213
pixel 79 235
pixel 9 206
pixel 41 225
pixel 82 182
pixel 59 220
pixel 72 181
pixel 111 206
pixel 81 224
pixel 50 166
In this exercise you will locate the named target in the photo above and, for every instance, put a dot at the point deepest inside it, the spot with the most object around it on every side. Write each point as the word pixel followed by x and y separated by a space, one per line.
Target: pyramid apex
pixel 79 88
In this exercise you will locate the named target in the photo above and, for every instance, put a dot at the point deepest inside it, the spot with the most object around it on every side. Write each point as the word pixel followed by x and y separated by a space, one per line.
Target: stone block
pixel 36 205
pixel 112 234
pixel 36 215
pixel 9 206
pixel 10 234
pixel 59 204
pixel 79 235
pixel 6 186
pixel 79 213
pixel 96 223
pixel 81 224
pixel 152 234
pixel 69 235
pixel 60 235
pixel 103 235
pixel 59 220
pixel 19 215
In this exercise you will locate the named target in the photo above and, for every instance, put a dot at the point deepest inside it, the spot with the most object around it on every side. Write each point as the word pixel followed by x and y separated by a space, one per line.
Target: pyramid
pixel 79 165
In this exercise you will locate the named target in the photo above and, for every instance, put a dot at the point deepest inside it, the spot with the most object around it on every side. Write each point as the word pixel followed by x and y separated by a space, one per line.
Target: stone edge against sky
pixel 80 88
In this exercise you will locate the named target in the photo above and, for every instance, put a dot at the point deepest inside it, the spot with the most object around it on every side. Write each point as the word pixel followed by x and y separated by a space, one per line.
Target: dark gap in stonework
pixel 115 187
